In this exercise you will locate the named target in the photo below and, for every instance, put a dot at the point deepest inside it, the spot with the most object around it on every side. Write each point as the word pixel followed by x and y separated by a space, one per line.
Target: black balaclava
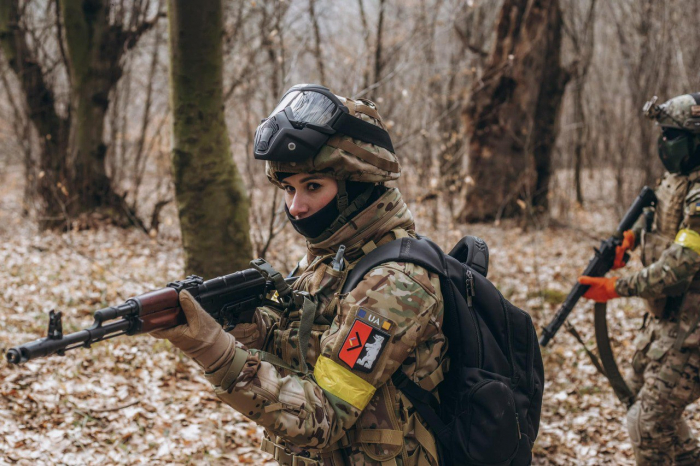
pixel 329 219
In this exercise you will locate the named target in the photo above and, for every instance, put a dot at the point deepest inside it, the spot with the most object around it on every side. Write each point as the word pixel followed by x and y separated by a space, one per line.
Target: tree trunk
pixel 378 47
pixel 317 42
pixel 52 129
pixel 212 202
pixel 72 177
pixel 512 114
pixel 580 121
pixel 94 50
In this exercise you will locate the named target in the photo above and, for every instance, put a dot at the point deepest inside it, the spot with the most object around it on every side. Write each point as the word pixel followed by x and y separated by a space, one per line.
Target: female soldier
pixel 321 386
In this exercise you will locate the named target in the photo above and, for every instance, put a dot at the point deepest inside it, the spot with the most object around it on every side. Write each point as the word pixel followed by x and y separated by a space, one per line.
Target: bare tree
pixel 512 114
pixel 643 28
pixel 212 202
pixel 579 22
pixel 317 41
pixel 91 37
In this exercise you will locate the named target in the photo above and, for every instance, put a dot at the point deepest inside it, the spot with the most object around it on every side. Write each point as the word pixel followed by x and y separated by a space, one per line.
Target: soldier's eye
pixel 313 186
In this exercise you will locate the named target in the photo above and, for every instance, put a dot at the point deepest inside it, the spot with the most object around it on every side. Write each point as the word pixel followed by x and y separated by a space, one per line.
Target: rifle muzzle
pixel 14 356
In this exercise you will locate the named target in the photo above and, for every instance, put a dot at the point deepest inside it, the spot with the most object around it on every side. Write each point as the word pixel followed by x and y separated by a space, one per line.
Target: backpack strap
pixel 423 436
pixel 416 251
pixel 424 403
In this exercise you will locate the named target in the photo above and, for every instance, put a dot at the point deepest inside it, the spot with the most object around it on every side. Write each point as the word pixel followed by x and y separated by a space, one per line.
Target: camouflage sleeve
pixel 667 276
pixel 377 326
pixel 677 265
pixel 640 225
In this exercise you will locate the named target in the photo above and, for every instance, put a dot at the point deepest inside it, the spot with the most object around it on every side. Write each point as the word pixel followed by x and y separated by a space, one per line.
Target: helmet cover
pixel 344 157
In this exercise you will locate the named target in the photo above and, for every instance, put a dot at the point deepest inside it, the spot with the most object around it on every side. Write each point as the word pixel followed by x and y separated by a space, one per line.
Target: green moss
pixel 548 295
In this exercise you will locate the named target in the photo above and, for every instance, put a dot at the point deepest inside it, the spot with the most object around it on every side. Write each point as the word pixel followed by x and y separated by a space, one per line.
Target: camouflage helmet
pixel 679 141
pixel 682 112
pixel 345 158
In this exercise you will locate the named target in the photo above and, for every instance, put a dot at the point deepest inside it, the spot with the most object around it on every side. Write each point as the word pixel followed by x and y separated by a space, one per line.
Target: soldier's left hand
pixel 601 289
pixel 201 338
pixel 628 240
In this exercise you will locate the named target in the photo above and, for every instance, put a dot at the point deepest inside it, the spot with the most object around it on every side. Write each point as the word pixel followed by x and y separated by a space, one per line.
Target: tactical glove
pixel 201 338
pixel 601 289
pixel 627 244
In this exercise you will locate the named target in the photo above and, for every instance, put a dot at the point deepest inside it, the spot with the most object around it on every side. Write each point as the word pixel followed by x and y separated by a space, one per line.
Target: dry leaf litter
pixel 136 400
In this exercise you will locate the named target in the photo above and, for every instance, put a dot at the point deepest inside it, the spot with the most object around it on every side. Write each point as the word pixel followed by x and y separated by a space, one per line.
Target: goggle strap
pixel 367 132
pixel 367 110
pixel 361 153
pixel 350 104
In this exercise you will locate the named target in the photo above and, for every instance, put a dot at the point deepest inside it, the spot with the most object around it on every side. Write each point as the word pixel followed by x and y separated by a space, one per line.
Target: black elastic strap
pixel 364 131
pixel 342 196
pixel 696 96
pixel 607 358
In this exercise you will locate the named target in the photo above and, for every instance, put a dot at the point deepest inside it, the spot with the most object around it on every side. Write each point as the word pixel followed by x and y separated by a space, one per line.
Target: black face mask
pixel 678 150
pixel 313 226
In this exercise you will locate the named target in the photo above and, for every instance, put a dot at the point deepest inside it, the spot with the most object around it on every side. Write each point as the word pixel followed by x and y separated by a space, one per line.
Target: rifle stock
pixel 600 264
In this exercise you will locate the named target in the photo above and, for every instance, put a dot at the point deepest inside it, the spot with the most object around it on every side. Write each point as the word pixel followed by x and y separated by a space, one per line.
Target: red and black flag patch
pixel 362 346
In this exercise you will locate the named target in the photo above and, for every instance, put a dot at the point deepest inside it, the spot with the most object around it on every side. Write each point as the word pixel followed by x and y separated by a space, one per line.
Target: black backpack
pixel 491 397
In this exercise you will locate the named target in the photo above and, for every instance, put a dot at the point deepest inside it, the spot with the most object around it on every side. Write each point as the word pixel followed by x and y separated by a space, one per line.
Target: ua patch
pixel 373 319
pixel 362 346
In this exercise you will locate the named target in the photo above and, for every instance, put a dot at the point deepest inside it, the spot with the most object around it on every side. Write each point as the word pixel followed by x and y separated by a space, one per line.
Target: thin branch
pixel 61 47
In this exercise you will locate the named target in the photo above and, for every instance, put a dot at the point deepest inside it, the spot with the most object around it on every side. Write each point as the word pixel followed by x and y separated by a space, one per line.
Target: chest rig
pixel 379 433
pixel 296 337
pixel 669 214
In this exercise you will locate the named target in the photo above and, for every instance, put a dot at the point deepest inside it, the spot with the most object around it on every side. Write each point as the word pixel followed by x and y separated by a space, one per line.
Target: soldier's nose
pixel 298 209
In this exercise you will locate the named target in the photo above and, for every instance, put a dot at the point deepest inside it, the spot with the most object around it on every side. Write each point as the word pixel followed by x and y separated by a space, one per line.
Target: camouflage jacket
pixel 346 410
pixel 671 250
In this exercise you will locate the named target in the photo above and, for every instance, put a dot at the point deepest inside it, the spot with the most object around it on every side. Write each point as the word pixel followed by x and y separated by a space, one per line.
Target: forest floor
pixel 140 401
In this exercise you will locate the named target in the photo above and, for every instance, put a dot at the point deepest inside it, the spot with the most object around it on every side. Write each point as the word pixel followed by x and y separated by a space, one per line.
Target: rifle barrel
pixel 48 346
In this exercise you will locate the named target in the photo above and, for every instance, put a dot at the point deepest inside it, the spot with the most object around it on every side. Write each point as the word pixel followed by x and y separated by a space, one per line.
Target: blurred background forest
pixel 517 120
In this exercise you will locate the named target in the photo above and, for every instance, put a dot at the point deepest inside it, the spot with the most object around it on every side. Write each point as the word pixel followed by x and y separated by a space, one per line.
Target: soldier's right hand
pixel 201 338
pixel 628 240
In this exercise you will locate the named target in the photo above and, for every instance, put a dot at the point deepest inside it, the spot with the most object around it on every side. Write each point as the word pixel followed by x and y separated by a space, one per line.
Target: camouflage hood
pixel 374 222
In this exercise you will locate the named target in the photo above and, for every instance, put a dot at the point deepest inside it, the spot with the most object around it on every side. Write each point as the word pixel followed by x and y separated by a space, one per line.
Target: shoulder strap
pixel 462 322
pixel 416 251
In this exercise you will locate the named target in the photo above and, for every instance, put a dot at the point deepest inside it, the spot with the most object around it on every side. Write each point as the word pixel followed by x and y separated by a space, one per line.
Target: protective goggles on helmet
pixel 677 149
pixel 304 120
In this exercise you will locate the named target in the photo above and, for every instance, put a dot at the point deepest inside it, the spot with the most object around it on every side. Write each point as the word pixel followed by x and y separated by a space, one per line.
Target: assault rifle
pixel 601 262
pixel 230 300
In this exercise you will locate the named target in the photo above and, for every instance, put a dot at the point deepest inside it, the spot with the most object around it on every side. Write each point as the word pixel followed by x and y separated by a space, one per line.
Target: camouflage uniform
pixel 664 372
pixel 344 412
pixel 318 378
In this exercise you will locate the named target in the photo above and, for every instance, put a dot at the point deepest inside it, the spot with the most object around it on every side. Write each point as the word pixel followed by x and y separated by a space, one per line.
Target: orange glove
pixel 602 289
pixel 627 244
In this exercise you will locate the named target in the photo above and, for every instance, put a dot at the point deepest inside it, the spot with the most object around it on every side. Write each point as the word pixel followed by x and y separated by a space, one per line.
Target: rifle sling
pixel 594 359
pixel 606 364
pixel 607 358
